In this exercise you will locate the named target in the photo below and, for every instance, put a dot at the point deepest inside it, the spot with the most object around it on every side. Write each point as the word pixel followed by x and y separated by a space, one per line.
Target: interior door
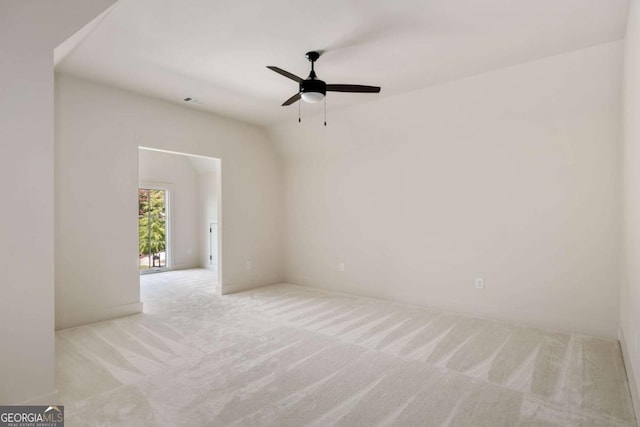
pixel 213 245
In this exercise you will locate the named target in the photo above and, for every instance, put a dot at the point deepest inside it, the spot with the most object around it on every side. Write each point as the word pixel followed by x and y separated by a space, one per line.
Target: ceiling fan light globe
pixel 312 97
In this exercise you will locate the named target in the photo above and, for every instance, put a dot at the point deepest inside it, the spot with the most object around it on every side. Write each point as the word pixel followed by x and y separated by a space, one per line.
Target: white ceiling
pixel 216 51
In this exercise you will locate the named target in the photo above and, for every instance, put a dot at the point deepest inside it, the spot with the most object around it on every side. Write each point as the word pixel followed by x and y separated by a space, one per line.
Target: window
pixel 152 229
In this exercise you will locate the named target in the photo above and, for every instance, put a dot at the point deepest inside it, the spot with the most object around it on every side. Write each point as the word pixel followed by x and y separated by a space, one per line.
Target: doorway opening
pixel 178 217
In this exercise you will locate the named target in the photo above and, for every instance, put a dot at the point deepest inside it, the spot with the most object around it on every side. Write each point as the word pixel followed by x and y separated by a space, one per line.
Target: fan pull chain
pixel 299 102
pixel 325 110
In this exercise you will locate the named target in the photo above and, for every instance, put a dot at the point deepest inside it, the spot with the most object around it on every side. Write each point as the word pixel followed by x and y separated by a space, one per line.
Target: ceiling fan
pixel 313 89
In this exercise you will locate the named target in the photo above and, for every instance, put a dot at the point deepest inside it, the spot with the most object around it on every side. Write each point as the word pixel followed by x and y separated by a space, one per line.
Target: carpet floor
pixel 286 355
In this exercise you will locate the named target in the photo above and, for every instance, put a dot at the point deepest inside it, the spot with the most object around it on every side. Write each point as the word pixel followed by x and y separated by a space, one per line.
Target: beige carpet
pixel 291 356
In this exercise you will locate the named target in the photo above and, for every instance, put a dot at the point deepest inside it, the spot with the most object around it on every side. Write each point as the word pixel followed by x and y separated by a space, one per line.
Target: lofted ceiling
pixel 217 51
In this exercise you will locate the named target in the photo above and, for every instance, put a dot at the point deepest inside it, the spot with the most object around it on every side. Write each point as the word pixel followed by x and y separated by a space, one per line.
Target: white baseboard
pixel 633 385
pixel 83 317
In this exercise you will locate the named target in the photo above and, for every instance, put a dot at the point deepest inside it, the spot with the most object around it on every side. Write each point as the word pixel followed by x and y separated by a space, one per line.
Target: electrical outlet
pixel 479 283
pixel 249 264
pixel 341 267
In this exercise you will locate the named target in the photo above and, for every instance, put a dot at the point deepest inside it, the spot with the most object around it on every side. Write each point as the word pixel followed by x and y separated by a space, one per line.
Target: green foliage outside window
pixel 151 222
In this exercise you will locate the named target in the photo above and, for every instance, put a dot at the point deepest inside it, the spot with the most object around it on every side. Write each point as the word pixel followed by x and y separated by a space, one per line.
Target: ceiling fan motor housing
pixel 313 85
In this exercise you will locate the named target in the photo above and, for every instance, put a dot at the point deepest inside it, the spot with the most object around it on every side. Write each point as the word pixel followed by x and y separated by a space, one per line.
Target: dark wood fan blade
pixel 284 73
pixel 353 88
pixel 291 100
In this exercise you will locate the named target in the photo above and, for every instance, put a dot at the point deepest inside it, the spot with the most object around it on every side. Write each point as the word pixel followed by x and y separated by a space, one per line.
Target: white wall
pixel 98 132
pixel 510 175
pixel 630 296
pixel 184 215
pixel 29 31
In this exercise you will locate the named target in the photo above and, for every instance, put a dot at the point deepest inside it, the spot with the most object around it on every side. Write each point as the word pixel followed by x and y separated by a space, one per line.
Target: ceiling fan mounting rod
pixel 312 57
